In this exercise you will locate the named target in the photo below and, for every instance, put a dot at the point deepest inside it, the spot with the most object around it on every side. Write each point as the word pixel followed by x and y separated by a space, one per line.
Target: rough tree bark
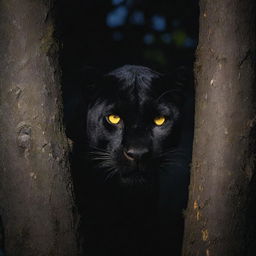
pixel 36 204
pixel 220 219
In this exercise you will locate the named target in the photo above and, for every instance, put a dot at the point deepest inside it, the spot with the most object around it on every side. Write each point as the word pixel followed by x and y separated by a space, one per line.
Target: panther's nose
pixel 136 153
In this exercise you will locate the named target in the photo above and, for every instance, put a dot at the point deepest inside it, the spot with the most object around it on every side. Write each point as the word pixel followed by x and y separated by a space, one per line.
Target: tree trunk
pixel 220 219
pixel 36 204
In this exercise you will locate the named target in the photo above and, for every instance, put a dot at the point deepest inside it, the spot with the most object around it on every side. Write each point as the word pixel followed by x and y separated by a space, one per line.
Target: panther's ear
pixel 77 92
pixel 89 77
pixel 176 84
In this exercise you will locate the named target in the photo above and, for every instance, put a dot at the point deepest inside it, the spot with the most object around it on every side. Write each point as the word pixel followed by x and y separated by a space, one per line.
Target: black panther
pixel 132 124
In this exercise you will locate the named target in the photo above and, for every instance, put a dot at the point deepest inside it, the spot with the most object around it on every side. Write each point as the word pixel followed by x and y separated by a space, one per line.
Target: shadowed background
pixel 98 36
pixel 112 33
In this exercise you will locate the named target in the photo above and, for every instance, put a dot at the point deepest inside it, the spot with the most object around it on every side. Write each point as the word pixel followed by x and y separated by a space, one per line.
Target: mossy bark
pixel 36 204
pixel 220 219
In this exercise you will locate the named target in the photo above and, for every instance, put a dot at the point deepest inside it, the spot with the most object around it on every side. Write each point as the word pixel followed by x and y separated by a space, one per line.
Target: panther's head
pixel 132 123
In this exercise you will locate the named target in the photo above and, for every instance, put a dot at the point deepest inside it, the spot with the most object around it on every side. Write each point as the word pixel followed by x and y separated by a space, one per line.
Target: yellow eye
pixel 114 119
pixel 159 120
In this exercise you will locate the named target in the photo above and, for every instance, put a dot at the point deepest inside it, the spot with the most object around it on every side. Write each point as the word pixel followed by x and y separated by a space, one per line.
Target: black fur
pixel 118 187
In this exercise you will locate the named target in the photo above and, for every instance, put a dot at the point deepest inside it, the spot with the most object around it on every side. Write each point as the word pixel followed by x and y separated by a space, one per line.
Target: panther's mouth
pixel 136 178
pixel 136 169
pixel 132 173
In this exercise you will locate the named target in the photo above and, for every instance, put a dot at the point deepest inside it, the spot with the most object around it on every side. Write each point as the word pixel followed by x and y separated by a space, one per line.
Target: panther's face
pixel 131 123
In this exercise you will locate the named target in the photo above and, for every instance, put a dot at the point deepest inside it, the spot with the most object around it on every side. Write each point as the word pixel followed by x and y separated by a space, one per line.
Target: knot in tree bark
pixel 24 135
